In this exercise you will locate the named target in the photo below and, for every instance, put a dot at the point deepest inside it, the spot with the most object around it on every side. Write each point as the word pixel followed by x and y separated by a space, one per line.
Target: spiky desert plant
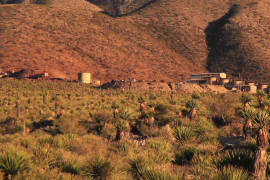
pixel 115 106
pixel 232 173
pixel 191 105
pixel 248 115
pixel 98 168
pixel 71 166
pixel 182 134
pixel 245 100
pixel 261 120
pixel 236 157
pixel 121 127
pixel 265 105
pixel 13 162
pixel 17 109
pixel 137 167
pixel 260 97
pixel 142 105
pixel 153 174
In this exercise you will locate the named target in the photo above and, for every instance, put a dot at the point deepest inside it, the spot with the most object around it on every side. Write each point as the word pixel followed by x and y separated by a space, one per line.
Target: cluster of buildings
pixel 229 83
pixel 219 79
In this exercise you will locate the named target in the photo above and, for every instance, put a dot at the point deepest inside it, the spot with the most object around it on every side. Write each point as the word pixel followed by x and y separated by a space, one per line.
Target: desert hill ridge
pixel 167 39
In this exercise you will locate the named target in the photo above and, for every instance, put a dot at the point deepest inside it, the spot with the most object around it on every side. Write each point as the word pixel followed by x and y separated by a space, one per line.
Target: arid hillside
pixel 167 39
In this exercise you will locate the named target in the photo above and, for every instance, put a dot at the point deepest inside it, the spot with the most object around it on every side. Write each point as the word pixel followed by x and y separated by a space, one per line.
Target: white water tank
pixel 84 77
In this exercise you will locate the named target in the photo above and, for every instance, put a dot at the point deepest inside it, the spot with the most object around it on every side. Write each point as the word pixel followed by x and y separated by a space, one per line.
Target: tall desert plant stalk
pixel 245 100
pixel 191 105
pixel 261 121
pixel 248 115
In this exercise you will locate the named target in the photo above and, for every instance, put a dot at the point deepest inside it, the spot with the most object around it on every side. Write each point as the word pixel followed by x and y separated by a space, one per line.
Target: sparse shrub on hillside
pixel 98 168
pixel 69 125
pixel 232 173
pixel 152 96
pixel 137 167
pixel 192 111
pixel 155 174
pixel 71 166
pixel 246 100
pixel 102 118
pixel 240 158
pixel 122 127
pixel 182 134
pixel 195 96
pixel 141 99
pixel 222 108
pixel 145 130
pixel 162 115
pixel 123 146
pixel 13 162
pixel 185 156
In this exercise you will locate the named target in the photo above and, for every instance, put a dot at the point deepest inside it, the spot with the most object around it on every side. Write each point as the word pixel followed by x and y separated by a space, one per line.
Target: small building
pixel 263 86
pixel 207 75
pixel 225 81
pixel 96 83
pixel 250 83
pixel 196 81
pixel 84 77
pixel 239 82
pixel 211 80
pixel 249 88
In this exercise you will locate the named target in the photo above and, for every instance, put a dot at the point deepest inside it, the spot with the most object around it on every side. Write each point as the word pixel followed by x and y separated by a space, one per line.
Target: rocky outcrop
pixel 117 8
pixel 238 42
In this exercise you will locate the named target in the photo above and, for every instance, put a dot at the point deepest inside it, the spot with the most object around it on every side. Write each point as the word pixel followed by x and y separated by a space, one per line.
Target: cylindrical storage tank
pixel 84 78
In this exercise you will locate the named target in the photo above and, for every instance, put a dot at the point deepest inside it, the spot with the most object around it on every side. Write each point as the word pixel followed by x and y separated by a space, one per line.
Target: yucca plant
pixel 137 167
pixel 121 127
pixel 260 97
pixel 245 100
pixel 191 105
pixel 236 157
pixel 152 174
pixel 232 173
pixel 71 166
pixel 182 134
pixel 248 116
pixel 98 168
pixel 13 162
pixel 261 121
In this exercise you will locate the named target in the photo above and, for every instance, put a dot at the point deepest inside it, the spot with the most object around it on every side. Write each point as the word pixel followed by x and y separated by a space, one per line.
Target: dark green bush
pixel 237 157
pixel 185 156
pixel 71 166
pixel 232 173
pixel 98 168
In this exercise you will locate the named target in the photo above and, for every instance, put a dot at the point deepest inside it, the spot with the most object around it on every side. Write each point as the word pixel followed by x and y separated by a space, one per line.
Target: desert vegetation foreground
pixel 59 130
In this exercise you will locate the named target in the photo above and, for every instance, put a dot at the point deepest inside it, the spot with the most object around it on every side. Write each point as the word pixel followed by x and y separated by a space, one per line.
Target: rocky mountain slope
pixel 166 39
